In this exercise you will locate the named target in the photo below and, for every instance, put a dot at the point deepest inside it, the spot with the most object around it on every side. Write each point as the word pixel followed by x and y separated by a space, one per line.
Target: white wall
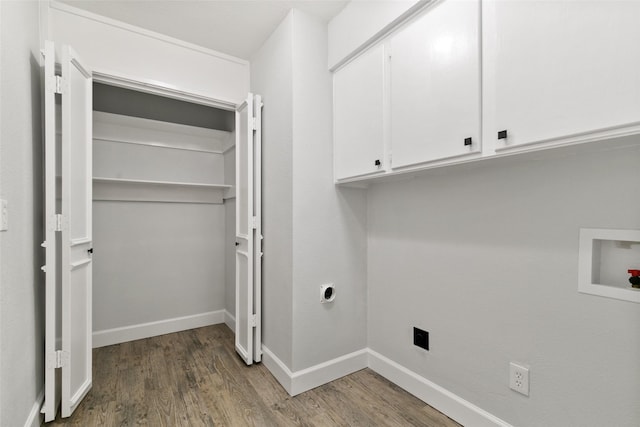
pixel 112 47
pixel 486 260
pixel 21 282
pixel 359 21
pixel 271 76
pixel 329 227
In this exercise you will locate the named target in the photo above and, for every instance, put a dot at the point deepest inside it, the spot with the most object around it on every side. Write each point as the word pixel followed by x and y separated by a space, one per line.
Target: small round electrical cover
pixel 327 293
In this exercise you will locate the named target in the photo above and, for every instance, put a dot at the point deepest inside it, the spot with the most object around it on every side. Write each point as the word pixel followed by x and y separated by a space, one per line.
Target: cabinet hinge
pixel 253 321
pixel 57 359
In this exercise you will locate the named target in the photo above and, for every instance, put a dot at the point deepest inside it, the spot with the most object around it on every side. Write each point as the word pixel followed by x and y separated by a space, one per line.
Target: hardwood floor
pixel 195 378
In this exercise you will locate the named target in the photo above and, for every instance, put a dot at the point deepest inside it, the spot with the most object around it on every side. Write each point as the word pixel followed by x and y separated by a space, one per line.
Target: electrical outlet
pixel 519 378
pixel 421 338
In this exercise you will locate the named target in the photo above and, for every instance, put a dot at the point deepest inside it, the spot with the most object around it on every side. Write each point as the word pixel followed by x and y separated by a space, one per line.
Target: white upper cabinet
pixel 358 116
pixel 561 71
pixel 464 80
pixel 435 85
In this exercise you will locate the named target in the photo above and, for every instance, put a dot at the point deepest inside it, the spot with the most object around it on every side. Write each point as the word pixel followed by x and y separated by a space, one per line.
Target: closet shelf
pixel 150 182
pixel 140 190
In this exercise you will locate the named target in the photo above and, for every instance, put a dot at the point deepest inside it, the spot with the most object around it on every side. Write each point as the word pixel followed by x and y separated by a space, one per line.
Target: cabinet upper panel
pixel 435 85
pixel 359 115
pixel 563 67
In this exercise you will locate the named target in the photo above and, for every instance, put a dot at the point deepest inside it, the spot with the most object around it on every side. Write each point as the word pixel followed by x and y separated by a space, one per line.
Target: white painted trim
pixel 315 376
pixel 152 329
pixel 158 88
pixel 230 321
pixel 306 379
pixel 277 368
pixel 35 419
pixel 147 33
pixel 443 400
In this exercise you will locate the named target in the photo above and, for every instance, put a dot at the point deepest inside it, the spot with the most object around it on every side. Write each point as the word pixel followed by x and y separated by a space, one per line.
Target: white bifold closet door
pixel 68 244
pixel 248 229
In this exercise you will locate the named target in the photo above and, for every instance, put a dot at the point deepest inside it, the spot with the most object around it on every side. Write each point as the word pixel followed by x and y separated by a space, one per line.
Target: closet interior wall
pixel 163 215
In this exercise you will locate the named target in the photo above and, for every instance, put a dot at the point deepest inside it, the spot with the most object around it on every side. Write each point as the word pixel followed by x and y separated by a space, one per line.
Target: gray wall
pixel 314 232
pixel 156 261
pixel 329 223
pixel 486 260
pixel 21 282
pixel 271 76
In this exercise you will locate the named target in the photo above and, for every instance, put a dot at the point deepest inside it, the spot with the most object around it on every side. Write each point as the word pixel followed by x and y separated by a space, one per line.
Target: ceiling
pixel 234 27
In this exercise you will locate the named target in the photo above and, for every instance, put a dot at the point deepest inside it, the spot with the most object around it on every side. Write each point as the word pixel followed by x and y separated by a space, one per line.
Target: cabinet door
pixel 435 85
pixel 562 68
pixel 358 116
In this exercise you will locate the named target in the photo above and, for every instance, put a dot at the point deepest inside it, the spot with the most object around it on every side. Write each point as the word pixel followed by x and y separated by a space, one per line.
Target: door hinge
pixel 58 86
pixel 254 321
pixel 254 222
pixel 57 359
pixel 54 223
pixel 58 223
pixel 253 123
pixel 54 84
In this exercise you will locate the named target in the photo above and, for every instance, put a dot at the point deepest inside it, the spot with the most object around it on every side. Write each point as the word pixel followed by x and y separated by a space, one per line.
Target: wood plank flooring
pixel 195 378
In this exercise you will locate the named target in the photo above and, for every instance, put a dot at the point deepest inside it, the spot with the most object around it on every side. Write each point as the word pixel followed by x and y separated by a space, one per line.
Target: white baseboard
pixel 312 377
pixel 443 400
pixel 278 369
pixel 35 419
pixel 230 321
pixel 306 379
pixel 152 329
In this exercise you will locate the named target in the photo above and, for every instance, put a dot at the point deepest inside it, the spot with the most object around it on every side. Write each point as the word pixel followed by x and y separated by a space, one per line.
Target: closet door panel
pixel 245 236
pixel 52 310
pixel 435 85
pixel 76 236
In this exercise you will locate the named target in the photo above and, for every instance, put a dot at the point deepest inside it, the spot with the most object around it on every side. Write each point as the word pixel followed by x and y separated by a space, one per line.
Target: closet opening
pixel 163 214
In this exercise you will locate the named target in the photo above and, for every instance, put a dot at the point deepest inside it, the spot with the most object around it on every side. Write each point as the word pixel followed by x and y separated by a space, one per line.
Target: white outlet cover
pixel 519 378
